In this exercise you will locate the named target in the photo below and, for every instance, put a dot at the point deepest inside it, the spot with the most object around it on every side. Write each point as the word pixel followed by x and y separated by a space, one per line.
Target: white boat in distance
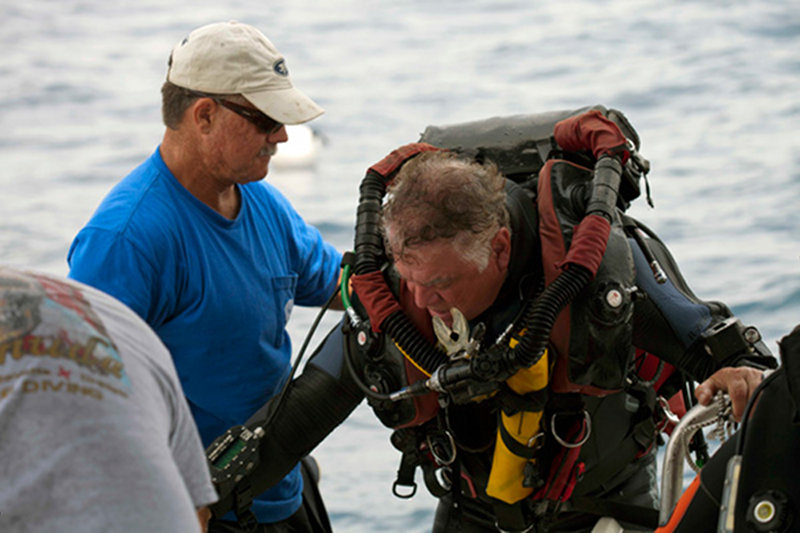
pixel 301 150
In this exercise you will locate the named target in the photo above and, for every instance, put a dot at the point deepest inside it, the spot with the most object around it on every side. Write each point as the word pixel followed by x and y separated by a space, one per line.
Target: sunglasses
pixel 261 121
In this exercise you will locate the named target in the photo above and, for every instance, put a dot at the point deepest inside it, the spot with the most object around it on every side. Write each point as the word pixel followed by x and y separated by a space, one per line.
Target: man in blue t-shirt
pixel 209 255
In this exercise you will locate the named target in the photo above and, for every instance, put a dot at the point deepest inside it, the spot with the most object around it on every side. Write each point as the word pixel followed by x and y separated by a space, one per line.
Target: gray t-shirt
pixel 95 434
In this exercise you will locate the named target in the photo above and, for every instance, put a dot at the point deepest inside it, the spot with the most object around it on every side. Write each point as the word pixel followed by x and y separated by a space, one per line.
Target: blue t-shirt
pixel 218 292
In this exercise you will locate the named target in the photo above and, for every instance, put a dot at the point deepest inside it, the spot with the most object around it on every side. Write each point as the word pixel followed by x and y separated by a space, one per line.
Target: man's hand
pixel 739 383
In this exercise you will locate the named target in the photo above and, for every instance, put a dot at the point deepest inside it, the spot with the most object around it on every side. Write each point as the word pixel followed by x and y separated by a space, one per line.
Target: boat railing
pixel 677 452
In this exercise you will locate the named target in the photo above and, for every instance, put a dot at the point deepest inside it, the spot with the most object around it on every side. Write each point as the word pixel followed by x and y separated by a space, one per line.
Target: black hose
pixel 542 315
pixel 368 240
pixel 370 256
pixel 411 341
pixel 538 320
pixel 605 187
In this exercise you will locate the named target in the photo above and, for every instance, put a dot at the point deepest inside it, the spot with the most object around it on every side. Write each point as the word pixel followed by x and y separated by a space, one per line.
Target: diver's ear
pixel 501 248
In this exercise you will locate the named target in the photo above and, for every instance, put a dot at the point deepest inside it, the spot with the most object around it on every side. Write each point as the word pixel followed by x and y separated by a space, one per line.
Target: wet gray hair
pixel 441 195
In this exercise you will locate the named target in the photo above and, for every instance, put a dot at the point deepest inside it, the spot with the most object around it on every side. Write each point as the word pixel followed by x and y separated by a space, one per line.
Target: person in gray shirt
pixel 95 433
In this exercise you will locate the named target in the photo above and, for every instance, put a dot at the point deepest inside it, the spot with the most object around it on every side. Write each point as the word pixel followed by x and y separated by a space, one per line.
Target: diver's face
pixel 440 278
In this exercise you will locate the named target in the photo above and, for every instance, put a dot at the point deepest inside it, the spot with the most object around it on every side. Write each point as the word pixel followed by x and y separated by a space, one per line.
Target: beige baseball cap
pixel 235 58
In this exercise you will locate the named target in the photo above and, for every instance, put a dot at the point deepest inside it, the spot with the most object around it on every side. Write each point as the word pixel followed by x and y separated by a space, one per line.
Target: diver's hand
pixel 739 383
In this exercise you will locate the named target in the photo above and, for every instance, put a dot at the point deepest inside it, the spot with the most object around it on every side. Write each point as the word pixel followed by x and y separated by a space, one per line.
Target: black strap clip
pixel 242 502
pixel 405 477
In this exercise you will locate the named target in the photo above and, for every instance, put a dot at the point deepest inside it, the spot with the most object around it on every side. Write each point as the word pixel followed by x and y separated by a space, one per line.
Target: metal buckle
pixel 671 417
pixel 532 442
pixel 444 477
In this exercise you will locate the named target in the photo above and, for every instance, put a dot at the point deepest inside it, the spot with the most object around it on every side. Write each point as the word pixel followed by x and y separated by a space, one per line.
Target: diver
pixel 519 331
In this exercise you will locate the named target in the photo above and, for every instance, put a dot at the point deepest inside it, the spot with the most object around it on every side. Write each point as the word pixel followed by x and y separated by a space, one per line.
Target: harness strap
pixel 407 442
pixel 515 447
pixel 512 402
pixel 565 470
pixel 405 476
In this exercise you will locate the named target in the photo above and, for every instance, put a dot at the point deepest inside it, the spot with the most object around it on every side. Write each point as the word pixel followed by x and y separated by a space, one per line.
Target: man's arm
pixel 102 258
pixel 315 403
pixel 203 516
pixel 697 336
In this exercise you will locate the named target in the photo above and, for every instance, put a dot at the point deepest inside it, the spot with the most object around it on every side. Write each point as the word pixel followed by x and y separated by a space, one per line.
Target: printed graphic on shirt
pixel 52 323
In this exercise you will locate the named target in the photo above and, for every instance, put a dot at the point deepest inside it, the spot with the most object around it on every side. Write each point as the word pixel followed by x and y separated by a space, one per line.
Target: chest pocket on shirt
pixel 283 290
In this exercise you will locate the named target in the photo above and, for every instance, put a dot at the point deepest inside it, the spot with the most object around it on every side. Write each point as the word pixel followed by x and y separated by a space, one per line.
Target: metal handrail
pixel 699 416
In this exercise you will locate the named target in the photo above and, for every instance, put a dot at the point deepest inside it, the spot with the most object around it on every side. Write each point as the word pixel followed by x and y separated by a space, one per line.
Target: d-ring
pixel 587 421
pixel 438 448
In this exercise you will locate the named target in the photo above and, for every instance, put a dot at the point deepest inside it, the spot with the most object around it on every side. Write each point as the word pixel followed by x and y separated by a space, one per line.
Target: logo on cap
pixel 280 67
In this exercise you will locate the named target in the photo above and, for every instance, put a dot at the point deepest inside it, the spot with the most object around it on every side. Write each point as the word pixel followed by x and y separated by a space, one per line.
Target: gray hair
pixel 175 100
pixel 440 195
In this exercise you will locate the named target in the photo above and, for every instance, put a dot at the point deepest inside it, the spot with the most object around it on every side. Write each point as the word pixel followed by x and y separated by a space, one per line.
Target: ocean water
pixel 710 85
